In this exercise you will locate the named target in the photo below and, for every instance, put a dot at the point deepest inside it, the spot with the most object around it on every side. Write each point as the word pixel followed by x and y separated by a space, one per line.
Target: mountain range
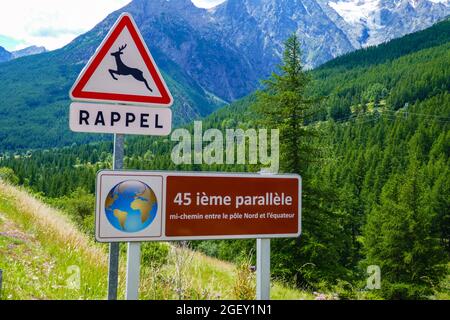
pixel 208 57
pixel 229 48
pixel 6 55
pixel 371 22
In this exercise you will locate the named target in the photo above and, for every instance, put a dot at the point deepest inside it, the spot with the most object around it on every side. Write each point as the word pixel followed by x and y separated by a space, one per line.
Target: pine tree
pixel 399 238
pixel 284 104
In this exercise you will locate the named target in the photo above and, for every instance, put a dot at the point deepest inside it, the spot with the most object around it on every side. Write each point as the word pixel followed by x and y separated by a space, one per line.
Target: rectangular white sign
pixel 121 119
pixel 172 206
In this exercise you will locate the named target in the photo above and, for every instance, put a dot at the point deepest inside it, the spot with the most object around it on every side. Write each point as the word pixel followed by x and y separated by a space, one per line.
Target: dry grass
pixel 55 225
pixel 244 286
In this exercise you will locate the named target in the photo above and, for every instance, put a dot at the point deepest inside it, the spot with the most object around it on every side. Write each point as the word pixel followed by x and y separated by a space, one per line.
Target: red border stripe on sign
pixel 78 91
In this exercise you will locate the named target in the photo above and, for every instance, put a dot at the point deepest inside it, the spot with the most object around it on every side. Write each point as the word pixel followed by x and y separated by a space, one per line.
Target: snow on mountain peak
pixel 353 11
pixel 370 22
pixel 447 2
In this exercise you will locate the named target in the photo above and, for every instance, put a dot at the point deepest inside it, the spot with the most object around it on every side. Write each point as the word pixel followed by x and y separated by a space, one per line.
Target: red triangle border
pixel 78 93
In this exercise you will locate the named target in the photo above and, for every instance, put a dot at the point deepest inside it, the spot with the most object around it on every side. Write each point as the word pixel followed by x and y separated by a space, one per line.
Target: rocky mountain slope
pixel 371 22
pixel 28 51
pixel 227 49
pixel 5 55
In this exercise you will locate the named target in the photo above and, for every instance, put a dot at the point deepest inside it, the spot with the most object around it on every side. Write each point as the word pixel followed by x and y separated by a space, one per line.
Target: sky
pixel 54 23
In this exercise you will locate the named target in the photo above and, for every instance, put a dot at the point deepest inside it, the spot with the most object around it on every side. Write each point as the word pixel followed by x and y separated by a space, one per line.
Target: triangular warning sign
pixel 122 70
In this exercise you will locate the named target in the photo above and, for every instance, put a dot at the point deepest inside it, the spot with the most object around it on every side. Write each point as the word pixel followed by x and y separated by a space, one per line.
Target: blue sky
pixel 54 23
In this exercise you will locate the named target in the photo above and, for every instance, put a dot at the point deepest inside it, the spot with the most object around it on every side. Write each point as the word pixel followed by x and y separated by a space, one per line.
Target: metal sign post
pixel 96 88
pixel 133 270
pixel 262 269
pixel 113 273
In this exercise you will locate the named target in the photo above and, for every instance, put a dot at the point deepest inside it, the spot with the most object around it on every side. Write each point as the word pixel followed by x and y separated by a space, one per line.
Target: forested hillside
pixel 383 173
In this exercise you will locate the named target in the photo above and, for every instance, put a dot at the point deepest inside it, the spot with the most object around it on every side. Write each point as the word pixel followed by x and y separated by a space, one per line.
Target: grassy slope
pixel 38 244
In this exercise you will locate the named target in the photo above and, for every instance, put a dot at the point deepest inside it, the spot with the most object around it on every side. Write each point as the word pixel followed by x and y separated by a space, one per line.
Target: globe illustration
pixel 131 206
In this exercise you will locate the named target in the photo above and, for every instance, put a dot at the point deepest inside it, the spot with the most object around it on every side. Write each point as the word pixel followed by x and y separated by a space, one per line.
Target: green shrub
pixel 210 248
pixel 344 290
pixel 154 253
pixel 404 291
pixel 8 175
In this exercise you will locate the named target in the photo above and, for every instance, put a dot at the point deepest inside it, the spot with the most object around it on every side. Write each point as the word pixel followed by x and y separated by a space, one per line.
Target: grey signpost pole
pixel 113 274
pixel 262 269
pixel 134 249
pixel 133 270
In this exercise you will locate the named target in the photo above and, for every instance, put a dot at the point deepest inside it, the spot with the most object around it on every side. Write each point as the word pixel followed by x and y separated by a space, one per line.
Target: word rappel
pixel 103 118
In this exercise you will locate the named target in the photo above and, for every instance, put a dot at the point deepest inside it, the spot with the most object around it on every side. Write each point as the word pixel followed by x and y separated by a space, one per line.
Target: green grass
pixel 37 264
pixel 40 248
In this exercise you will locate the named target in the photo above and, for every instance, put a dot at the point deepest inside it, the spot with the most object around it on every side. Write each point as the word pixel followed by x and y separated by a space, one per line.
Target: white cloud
pixel 51 23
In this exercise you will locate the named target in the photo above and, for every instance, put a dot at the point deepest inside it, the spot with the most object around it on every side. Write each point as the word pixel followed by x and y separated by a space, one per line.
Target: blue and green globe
pixel 131 206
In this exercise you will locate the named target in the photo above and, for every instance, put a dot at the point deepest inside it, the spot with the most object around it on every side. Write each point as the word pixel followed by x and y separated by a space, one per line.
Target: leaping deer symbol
pixel 124 70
